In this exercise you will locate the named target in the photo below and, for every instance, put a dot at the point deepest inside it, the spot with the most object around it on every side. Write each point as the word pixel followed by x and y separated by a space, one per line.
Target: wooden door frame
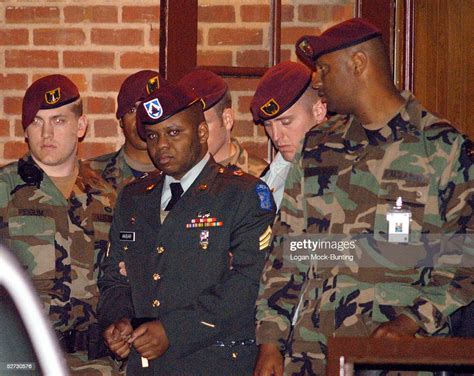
pixel 178 55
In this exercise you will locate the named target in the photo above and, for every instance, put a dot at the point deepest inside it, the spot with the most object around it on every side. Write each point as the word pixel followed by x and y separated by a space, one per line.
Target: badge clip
pixel 398 223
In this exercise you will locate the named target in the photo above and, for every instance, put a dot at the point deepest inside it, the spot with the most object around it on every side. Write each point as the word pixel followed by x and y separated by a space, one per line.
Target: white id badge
pixel 398 223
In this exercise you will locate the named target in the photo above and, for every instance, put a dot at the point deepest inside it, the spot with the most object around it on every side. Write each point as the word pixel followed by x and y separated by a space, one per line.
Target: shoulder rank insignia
pixel 265 238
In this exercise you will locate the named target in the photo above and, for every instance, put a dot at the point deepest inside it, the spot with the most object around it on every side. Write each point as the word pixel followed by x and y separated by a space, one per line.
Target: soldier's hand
pixel 122 268
pixel 116 337
pixel 400 327
pixel 269 361
pixel 150 340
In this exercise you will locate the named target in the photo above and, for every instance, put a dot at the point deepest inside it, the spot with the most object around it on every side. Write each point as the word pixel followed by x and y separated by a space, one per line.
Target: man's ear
pixel 228 118
pixel 319 111
pixel 359 62
pixel 82 124
pixel 203 132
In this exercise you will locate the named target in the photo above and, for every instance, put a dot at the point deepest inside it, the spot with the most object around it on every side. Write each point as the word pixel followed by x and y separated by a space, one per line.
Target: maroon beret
pixel 345 34
pixel 163 103
pixel 279 88
pixel 207 85
pixel 136 88
pixel 48 92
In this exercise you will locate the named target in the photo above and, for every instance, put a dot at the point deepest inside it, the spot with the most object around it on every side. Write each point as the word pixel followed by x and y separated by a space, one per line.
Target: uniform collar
pixel 394 129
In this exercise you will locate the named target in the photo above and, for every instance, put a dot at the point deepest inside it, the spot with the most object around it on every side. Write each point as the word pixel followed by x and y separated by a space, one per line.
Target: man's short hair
pixel 225 102
pixel 78 108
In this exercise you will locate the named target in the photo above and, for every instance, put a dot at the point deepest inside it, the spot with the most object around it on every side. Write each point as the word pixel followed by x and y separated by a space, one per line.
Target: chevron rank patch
pixel 265 239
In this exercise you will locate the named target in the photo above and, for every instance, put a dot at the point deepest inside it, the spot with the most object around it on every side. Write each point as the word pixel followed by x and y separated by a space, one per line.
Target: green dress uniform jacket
pixel 197 272
pixel 344 183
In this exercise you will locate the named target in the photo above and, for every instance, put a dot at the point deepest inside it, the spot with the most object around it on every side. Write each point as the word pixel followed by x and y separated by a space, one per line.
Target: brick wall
pixel 97 44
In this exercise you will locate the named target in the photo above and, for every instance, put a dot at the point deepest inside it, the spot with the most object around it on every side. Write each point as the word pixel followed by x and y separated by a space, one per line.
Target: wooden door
pixel 443 52
pixel 431 46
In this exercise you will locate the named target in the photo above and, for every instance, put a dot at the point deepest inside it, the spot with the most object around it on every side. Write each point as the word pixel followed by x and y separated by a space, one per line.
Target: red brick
pixel 257 149
pixel 141 14
pixel 107 82
pixel 140 60
pixel 4 128
pixel 14 149
pixel 12 105
pixel 243 104
pixel 27 58
pixel 155 37
pixel 216 13
pixel 15 37
pixel 260 131
pixel 88 59
pixel 255 13
pixel 97 105
pixel 106 128
pixel 252 58
pixel 99 14
pixel 214 58
pixel 287 13
pixel 243 84
pixel 200 37
pixel 315 13
pixel 53 37
pixel 18 128
pixel 342 12
pixel 94 149
pixel 289 35
pixel 13 81
pixel 117 37
pixel 234 36
pixel 243 128
pixel 32 15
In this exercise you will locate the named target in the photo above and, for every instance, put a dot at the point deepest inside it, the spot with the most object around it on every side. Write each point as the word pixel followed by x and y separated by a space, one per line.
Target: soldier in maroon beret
pixel 185 308
pixel 132 159
pixel 217 100
pixel 55 214
pixel 287 106
pixel 384 170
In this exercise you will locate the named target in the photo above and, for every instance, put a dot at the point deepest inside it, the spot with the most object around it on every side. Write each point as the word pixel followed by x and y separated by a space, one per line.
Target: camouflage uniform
pixel 343 183
pixel 60 242
pixel 113 168
pixel 247 163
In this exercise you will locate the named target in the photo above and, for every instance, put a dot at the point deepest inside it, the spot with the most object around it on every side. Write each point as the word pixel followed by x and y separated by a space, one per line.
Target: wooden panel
pixel 178 38
pixel 381 14
pixel 443 55
pixel 404 351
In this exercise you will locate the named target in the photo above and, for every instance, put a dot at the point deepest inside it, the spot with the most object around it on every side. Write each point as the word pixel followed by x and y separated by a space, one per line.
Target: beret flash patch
pixel 152 84
pixel 53 96
pixel 270 108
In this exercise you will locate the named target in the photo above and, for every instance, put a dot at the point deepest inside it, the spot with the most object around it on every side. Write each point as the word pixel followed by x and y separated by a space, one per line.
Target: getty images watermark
pixel 321 250
pixel 374 251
